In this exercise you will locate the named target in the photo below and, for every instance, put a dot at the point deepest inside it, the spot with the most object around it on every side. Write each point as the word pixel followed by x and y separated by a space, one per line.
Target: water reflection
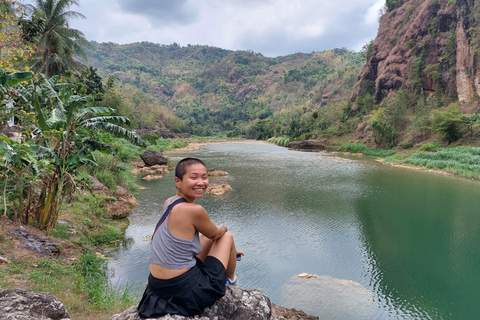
pixel 408 239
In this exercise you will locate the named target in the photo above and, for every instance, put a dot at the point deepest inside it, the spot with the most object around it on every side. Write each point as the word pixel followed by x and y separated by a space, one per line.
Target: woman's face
pixel 194 183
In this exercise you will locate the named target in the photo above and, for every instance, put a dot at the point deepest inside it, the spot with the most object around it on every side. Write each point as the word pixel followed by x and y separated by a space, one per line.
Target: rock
pixel 328 297
pixel 216 173
pixel 236 304
pixel 152 177
pixel 152 158
pixel 23 305
pixel 281 313
pixel 124 195
pixel 216 189
pixel 153 170
pixel 41 245
pixel 124 206
pixel 99 188
pixel 308 145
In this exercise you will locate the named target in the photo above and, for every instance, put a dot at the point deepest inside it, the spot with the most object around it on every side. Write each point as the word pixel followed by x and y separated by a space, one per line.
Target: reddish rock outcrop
pixel 424 45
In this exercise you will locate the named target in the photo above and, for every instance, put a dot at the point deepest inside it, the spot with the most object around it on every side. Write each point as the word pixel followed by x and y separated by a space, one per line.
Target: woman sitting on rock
pixel 188 271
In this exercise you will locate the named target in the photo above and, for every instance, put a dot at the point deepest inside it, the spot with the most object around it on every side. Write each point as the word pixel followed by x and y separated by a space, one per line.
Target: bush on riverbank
pixel 353 148
pixel 464 161
pixel 280 141
pixel 377 153
pixel 371 152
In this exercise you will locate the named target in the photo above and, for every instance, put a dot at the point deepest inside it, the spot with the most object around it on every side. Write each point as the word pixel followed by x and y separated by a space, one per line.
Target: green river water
pixel 385 242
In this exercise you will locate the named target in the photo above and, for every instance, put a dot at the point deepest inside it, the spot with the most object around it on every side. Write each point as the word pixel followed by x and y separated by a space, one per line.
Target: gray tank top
pixel 170 251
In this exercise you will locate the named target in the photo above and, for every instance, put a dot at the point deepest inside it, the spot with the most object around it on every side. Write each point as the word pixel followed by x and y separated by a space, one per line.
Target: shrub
pixel 353 148
pixel 280 141
pixel 448 124
pixel 107 235
pixel 111 172
pixel 430 147
pixel 379 153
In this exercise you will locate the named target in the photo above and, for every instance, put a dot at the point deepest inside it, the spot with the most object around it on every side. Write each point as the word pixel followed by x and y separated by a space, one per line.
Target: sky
pixel 270 27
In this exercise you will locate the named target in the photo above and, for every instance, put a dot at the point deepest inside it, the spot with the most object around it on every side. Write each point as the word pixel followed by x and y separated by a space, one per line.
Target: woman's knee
pixel 227 237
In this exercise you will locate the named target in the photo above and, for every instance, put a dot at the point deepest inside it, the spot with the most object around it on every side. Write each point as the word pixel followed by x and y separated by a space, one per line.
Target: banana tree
pixel 60 113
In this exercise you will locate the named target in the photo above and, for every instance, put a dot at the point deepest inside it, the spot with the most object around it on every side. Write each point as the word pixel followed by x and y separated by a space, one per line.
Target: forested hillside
pixel 415 83
pixel 241 93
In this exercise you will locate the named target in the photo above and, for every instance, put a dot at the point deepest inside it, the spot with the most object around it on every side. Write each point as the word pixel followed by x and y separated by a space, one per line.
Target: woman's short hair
pixel 183 164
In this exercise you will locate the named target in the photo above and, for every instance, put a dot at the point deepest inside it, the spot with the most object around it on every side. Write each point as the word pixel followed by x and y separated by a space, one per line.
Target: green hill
pixel 213 90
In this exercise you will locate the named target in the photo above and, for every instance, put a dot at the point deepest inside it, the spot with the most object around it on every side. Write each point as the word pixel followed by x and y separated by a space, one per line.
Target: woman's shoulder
pixel 190 208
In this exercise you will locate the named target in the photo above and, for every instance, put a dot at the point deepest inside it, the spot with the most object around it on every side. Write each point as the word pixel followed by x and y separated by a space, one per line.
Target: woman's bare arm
pixel 201 221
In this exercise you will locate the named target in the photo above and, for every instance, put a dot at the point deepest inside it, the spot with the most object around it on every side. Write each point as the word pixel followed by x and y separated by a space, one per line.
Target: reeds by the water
pixel 464 161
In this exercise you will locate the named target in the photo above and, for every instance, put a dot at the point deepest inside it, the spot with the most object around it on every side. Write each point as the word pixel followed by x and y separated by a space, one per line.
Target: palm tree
pixel 57 42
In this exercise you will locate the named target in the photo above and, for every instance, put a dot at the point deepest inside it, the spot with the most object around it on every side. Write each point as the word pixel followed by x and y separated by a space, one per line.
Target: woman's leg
pixel 224 250
pixel 206 246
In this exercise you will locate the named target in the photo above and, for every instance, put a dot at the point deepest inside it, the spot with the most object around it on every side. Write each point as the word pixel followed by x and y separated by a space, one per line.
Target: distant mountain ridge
pixel 222 89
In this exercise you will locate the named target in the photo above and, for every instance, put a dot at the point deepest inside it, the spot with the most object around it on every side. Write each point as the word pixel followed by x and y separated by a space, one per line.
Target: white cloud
pixel 270 27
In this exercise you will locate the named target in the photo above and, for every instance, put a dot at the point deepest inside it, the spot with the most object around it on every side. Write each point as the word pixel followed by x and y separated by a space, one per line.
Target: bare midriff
pixel 163 273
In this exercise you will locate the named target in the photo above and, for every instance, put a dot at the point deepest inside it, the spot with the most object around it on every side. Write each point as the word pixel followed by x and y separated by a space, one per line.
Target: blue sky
pixel 271 27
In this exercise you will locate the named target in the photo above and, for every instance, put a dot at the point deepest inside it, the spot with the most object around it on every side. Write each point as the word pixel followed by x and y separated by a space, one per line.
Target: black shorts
pixel 187 294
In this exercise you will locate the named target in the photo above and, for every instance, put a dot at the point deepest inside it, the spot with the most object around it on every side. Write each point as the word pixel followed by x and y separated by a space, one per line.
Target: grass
pixel 464 161
pixel 378 153
pixel 111 172
pixel 162 145
pixel 106 236
pixel 280 141
pixel 353 148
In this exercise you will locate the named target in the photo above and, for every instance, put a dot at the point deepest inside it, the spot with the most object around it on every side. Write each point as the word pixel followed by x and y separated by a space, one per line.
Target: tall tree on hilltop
pixel 57 42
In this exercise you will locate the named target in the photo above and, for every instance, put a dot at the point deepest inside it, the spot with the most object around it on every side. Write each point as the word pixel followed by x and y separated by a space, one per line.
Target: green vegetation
pixel 281 141
pixel 206 91
pixel 353 148
pixel 459 160
pixel 378 153
pixel 161 145
pixel 56 42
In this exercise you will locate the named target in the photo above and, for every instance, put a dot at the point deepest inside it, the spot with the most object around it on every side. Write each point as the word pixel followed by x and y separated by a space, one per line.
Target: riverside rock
pixel 218 189
pixel 98 187
pixel 124 205
pixel 152 158
pixel 216 173
pixel 237 304
pixel 18 304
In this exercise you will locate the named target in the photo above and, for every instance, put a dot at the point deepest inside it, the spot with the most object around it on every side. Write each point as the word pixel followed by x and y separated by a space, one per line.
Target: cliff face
pixel 428 46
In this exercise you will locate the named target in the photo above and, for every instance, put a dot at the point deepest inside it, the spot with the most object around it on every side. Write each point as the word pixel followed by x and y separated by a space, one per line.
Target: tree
pixel 60 134
pixel 57 42
pixel 12 46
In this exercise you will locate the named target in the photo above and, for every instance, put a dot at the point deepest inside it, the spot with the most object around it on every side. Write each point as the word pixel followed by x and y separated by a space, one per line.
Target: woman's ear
pixel 177 181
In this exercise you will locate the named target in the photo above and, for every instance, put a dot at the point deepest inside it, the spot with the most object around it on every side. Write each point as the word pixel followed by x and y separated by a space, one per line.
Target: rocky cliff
pixel 427 47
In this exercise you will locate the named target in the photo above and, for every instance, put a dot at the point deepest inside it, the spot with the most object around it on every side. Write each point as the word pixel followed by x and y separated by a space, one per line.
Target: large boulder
pixel 237 304
pixel 216 173
pixel 328 297
pixel 18 304
pixel 124 205
pixel 218 189
pixel 152 158
pixel 98 187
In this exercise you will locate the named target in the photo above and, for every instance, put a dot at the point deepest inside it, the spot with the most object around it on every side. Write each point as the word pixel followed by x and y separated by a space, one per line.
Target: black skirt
pixel 187 294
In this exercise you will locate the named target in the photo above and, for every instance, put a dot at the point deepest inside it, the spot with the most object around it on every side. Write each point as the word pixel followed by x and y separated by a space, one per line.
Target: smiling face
pixel 194 182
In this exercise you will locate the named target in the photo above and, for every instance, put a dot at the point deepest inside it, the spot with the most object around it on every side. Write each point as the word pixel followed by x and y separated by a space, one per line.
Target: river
pixel 384 242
